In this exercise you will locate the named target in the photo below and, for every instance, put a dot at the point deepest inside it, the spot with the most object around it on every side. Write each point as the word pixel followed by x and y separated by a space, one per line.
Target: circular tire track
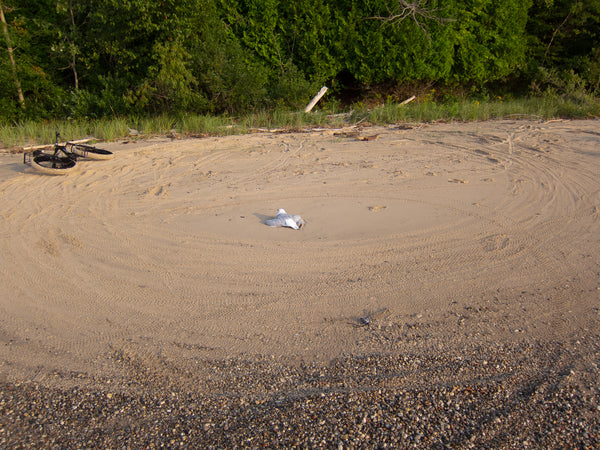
pixel 166 244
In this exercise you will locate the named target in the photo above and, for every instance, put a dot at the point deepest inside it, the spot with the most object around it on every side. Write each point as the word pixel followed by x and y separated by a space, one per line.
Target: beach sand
pixel 437 262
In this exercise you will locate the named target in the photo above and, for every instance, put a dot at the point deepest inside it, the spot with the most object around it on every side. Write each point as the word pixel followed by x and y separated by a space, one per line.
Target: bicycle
pixel 63 158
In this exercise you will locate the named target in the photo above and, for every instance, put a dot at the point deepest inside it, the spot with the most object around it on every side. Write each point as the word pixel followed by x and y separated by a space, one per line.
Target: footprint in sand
pixel 71 240
pixel 457 180
pixel 495 242
pixel 157 191
pixel 49 247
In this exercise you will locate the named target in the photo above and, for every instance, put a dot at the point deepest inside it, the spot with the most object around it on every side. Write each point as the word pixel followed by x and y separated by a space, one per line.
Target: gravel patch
pixel 527 395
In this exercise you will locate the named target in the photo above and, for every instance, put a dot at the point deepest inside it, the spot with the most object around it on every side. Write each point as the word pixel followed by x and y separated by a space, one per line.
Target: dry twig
pixel 417 11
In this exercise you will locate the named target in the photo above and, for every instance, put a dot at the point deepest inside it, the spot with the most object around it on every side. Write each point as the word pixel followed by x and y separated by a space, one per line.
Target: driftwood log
pixel 39 147
pixel 315 99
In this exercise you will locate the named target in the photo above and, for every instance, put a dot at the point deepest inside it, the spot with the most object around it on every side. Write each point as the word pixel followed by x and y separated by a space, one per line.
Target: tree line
pixel 94 58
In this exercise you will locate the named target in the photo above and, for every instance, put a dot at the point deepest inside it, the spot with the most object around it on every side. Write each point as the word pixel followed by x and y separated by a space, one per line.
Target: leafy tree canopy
pixel 92 58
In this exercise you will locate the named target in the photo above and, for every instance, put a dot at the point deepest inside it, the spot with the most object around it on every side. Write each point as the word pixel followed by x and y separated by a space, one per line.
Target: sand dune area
pixel 428 236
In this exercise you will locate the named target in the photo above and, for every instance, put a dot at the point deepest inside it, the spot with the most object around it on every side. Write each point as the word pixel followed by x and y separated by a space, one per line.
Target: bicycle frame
pixel 63 158
pixel 58 149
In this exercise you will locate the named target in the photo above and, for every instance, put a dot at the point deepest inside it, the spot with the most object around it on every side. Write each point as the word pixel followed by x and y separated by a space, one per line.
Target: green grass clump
pixel 472 110
pixel 547 106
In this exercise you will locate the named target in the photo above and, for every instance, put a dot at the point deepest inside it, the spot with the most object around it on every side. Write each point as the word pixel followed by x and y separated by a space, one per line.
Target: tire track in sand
pixel 167 244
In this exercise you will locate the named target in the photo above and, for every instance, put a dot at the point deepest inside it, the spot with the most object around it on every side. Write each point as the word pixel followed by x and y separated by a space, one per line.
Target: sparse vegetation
pixel 547 106
pixel 180 64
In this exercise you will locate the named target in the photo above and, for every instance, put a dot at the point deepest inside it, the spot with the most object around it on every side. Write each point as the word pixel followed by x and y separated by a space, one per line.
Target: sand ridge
pixel 473 231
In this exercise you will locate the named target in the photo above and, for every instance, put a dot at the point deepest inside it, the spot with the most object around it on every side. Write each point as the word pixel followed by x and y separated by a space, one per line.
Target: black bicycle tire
pixel 90 152
pixel 52 165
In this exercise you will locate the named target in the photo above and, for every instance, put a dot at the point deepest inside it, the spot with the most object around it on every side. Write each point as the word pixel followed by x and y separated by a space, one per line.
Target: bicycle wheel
pixel 89 152
pixel 52 165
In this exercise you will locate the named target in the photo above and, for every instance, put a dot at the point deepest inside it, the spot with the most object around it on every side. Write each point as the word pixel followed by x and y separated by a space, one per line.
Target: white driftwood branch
pixel 38 147
pixel 315 99
pixel 408 100
pixel 416 10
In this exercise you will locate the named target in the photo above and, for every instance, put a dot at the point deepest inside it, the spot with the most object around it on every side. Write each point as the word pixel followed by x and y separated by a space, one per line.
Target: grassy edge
pixel 27 133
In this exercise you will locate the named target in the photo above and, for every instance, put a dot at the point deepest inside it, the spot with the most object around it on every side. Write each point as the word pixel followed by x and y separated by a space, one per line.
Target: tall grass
pixel 33 132
pixel 203 124
pixel 471 110
pixel 543 107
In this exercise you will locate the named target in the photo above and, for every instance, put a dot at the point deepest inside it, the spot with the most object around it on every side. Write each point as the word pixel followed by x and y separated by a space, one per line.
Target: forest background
pixel 86 59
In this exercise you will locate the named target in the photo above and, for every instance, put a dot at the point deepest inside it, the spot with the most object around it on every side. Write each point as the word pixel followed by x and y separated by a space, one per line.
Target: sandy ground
pixel 481 231
pixel 457 262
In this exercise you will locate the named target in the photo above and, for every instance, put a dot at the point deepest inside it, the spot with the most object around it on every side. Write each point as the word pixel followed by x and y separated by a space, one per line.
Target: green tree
pixel 490 40
pixel 102 57
pixel 13 64
pixel 32 32
pixel 564 37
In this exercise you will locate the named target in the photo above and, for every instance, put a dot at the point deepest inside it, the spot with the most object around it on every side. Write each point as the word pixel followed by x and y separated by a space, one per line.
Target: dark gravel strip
pixel 523 396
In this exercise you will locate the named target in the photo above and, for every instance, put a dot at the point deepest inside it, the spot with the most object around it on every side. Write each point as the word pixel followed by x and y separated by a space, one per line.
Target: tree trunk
pixel 12 59
pixel 73 52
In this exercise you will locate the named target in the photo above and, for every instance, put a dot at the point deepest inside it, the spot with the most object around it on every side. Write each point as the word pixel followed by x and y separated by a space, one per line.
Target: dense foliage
pixel 94 58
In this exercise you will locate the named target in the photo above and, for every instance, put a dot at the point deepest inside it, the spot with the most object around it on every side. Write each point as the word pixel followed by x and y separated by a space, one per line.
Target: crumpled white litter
pixel 283 219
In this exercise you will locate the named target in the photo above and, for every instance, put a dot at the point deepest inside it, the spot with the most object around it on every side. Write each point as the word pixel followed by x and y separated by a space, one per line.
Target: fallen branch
pixel 315 99
pixel 39 147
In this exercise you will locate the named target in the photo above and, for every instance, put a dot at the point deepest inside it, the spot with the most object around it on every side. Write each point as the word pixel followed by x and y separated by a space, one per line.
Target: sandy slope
pixel 469 232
